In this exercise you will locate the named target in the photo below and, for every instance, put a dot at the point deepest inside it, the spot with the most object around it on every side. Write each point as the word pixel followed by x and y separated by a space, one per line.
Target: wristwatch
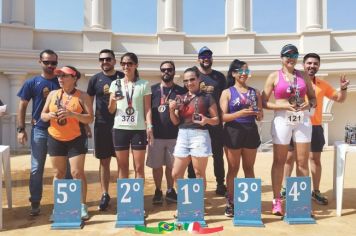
pixel 20 129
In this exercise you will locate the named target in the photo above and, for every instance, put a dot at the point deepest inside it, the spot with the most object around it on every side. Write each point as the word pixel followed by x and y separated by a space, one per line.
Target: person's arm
pixel 173 112
pixel 148 115
pixel 87 117
pixel 214 120
pixel 341 95
pixel 310 91
pixel 259 115
pixel 21 116
pixel 46 115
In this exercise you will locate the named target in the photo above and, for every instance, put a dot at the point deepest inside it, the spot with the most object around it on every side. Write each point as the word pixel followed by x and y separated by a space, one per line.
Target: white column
pixel 314 11
pixel 17 12
pixel 170 16
pixel 16 79
pixel 239 16
pixel 97 14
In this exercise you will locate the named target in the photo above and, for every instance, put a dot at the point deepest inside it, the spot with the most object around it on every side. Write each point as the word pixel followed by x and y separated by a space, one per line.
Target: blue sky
pixel 200 16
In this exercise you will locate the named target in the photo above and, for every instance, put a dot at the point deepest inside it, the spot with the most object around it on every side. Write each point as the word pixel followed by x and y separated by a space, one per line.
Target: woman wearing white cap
pixel 66 108
pixel 294 96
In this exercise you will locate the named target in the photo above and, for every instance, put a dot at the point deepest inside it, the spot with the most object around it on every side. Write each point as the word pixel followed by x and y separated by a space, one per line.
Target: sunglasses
pixel 169 70
pixel 291 55
pixel 203 57
pixel 128 64
pixel 103 59
pixel 242 71
pixel 189 80
pixel 53 63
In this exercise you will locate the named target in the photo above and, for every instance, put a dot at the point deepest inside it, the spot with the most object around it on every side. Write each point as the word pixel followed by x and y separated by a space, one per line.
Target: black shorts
pixel 104 147
pixel 124 138
pixel 241 135
pixel 68 149
pixel 317 140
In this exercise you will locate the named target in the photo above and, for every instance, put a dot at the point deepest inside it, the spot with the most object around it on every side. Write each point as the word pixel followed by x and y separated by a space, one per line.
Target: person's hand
pixel 88 131
pixel 63 113
pixel 248 112
pixel 172 105
pixel 304 106
pixel 22 137
pixel 52 115
pixel 289 107
pixel 203 121
pixel 150 138
pixel 344 82
pixel 259 115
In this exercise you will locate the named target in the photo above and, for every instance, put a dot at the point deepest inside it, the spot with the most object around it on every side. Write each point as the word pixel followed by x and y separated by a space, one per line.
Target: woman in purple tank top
pixel 241 105
pixel 294 96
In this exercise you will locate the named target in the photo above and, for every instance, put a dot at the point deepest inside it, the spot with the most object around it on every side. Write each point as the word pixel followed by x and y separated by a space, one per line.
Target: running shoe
pixel 229 210
pixel 277 207
pixel 104 202
pixel 171 196
pixel 35 209
pixel 84 212
pixel 319 198
pixel 158 197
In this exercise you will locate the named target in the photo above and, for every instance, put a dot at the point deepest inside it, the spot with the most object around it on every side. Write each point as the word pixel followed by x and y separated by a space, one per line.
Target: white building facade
pixel 21 43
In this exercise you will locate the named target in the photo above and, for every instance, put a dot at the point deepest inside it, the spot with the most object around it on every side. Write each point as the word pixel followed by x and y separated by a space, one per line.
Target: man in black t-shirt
pixel 164 132
pixel 98 87
pixel 213 82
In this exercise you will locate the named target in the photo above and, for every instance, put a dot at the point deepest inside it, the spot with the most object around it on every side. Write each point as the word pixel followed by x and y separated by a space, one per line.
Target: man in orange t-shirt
pixel 311 64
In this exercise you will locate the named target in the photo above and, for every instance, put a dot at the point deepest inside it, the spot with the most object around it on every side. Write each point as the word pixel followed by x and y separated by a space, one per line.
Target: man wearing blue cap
pixel 213 82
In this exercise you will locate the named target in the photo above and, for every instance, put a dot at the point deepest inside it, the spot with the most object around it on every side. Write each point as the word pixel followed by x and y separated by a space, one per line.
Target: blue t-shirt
pixel 38 89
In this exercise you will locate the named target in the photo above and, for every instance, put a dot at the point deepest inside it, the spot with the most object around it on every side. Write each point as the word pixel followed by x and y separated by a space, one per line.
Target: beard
pixel 167 78
pixel 206 67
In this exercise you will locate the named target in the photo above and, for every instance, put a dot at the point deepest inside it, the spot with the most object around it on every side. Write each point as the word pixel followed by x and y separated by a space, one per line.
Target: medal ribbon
pixel 128 97
pixel 164 98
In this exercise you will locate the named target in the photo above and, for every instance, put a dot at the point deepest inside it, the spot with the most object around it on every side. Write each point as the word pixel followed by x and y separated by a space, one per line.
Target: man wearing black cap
pixel 213 82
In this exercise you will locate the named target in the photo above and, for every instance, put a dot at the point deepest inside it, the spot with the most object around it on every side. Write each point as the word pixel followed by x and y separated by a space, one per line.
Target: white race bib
pixel 294 117
pixel 126 120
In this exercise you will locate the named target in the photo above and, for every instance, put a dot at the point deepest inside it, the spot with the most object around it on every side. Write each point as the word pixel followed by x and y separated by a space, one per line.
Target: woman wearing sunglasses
pixel 294 96
pixel 193 141
pixel 130 98
pixel 241 105
pixel 66 108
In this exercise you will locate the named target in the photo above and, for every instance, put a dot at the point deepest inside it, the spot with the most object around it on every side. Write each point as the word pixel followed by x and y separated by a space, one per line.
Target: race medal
pixel 130 111
pixel 161 108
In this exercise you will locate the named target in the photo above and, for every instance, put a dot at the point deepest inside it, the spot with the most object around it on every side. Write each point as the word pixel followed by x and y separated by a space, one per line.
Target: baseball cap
pixel 289 48
pixel 205 49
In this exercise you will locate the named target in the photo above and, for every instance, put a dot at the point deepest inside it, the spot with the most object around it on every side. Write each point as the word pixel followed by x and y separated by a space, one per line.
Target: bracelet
pixel 149 126
pixel 343 89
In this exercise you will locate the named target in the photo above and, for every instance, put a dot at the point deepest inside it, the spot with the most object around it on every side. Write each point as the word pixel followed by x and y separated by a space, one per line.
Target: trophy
pixel 253 100
pixel 62 121
pixel 118 92
pixel 196 115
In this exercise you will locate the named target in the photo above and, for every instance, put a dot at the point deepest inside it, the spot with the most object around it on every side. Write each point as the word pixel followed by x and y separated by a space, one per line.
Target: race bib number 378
pixel 127 120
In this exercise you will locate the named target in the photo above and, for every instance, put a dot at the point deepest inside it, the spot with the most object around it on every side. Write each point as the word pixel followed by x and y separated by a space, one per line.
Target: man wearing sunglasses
pixel 37 89
pixel 213 82
pixel 98 87
pixel 164 132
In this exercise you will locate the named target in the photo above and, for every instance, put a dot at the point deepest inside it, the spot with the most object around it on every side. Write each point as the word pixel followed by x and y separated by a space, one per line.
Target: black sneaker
pixel 171 197
pixel 158 197
pixel 229 210
pixel 35 209
pixel 104 202
pixel 220 189
pixel 319 198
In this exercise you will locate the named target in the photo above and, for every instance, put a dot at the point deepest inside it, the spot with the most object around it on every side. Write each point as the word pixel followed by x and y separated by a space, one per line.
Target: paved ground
pixel 17 221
